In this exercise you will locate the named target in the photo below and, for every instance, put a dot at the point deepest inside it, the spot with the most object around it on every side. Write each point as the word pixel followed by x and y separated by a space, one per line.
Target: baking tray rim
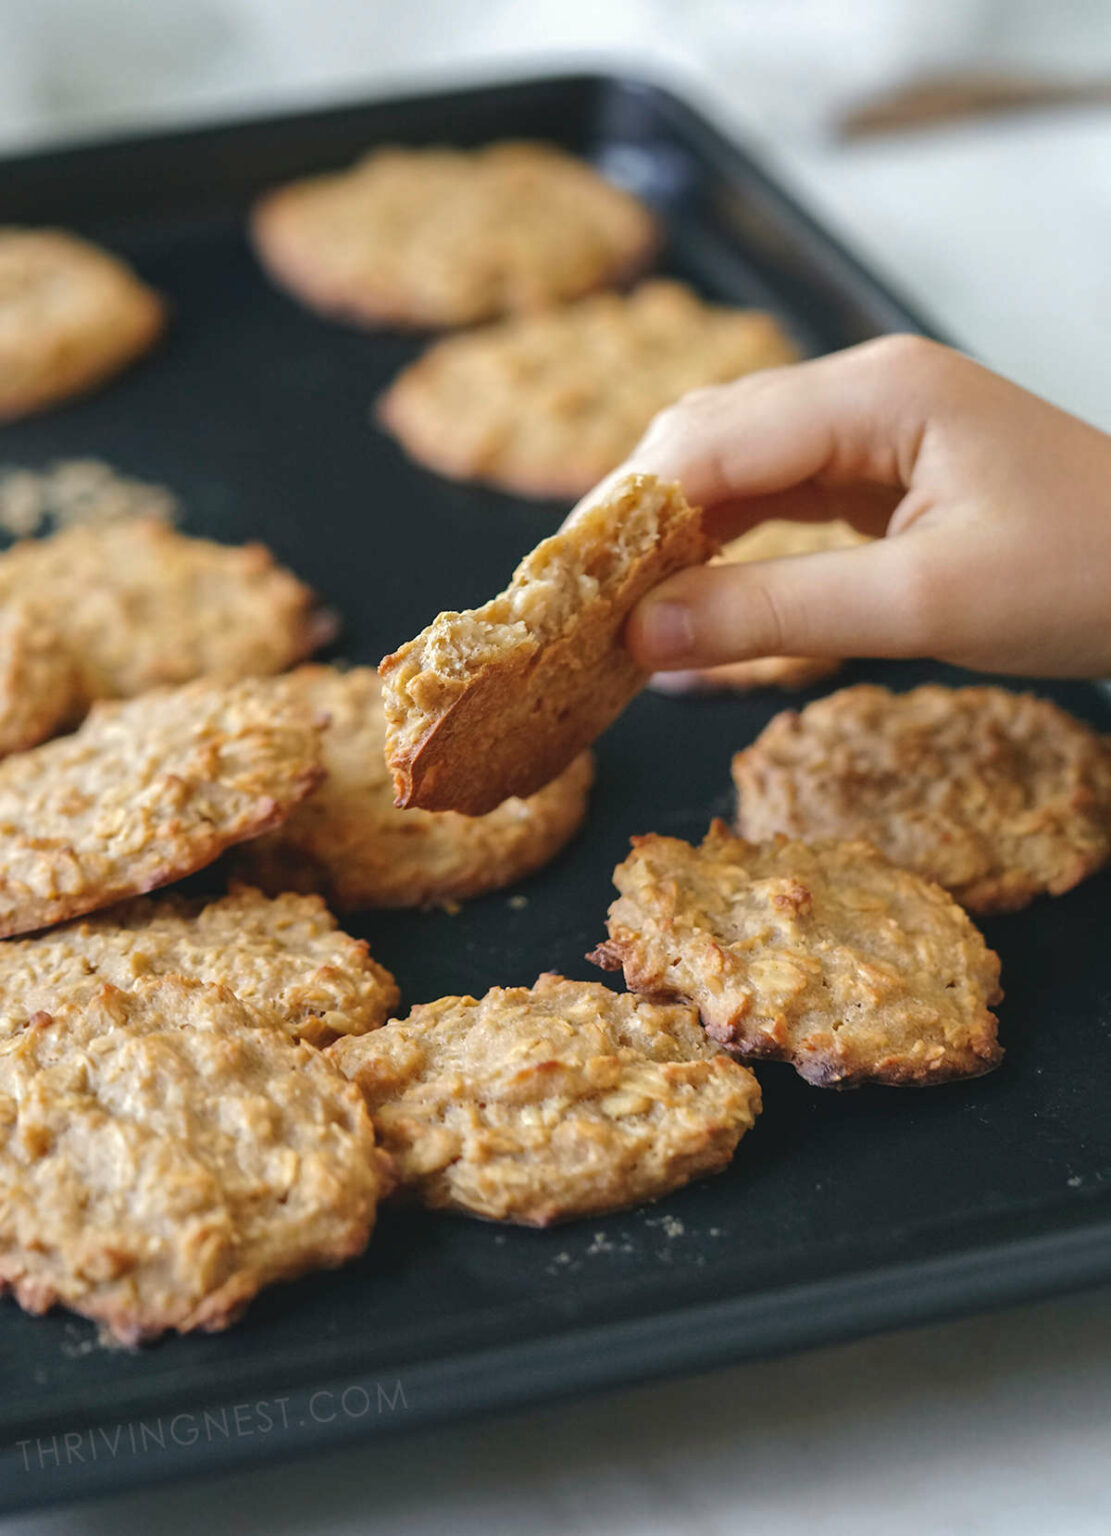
pixel 621 1354
pixel 702 121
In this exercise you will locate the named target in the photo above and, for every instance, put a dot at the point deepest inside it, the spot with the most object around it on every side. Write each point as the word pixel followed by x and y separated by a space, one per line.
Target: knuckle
pixel 770 620
pixel 907 352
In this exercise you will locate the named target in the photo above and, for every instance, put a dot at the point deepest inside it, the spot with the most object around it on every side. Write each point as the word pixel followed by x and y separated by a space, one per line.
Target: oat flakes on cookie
pixel 164 1155
pixel 538 1104
pixel 38 680
pixel 548 404
pixel 349 840
pixel 145 792
pixel 772 540
pixel 140 605
pixel 440 237
pixel 500 699
pixel 285 958
pixel 823 955
pixel 71 315
pixel 997 796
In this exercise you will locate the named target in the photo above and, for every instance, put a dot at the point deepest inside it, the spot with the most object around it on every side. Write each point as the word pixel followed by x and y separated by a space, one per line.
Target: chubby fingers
pixel 854 417
pixel 853 602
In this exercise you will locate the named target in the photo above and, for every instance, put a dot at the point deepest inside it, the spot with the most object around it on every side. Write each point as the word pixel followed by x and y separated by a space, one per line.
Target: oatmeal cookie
pixel 497 701
pixel 997 796
pixel 350 841
pixel 145 792
pixel 164 1155
pixel 439 237
pixel 546 405
pixel 823 955
pixel 71 315
pixel 285 958
pixel 140 605
pixel 537 1104
pixel 772 540
pixel 38 681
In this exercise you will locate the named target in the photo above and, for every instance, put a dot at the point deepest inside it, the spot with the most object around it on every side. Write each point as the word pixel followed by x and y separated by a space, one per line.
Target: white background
pixel 998 1426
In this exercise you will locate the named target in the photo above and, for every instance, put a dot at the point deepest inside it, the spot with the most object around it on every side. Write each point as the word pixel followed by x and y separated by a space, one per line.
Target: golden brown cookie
pixel 38 681
pixel 351 842
pixel 995 795
pixel 822 955
pixel 538 1104
pixel 285 958
pixel 497 701
pixel 145 792
pixel 546 405
pixel 71 315
pixel 164 1155
pixel 140 605
pixel 773 540
pixel 437 237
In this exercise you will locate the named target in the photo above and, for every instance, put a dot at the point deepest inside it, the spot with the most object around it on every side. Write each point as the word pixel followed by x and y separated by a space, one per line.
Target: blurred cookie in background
pixel 71 316
pixel 546 405
pixel 442 237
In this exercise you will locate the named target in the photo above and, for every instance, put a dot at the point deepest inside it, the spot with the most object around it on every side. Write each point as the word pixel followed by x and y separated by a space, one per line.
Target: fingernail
pixel 677 682
pixel 667 631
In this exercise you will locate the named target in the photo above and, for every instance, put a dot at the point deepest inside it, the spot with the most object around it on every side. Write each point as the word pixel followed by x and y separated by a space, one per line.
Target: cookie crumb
pixel 72 491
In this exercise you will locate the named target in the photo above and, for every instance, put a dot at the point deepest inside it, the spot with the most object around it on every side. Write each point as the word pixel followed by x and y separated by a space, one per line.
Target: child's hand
pixel 996 507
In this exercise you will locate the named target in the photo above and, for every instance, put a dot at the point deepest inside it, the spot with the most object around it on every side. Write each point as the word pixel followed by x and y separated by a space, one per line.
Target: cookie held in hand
pixel 498 700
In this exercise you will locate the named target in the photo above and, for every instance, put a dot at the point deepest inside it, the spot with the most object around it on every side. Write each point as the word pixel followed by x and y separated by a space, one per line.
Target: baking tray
pixel 843 1213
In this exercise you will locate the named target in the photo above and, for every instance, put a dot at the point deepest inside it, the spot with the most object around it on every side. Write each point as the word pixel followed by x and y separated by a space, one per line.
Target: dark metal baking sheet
pixel 843 1212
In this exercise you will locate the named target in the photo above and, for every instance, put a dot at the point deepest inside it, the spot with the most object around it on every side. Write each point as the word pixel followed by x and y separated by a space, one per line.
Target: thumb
pixel 853 602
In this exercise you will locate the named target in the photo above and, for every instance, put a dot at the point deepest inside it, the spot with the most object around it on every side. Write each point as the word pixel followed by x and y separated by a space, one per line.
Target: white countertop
pixel 998 1426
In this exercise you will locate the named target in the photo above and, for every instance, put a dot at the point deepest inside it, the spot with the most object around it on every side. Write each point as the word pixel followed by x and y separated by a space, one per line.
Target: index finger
pixel 834 437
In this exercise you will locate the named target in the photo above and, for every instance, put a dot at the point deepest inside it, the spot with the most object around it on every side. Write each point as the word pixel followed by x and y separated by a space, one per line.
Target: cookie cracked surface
pixel 997 796
pixel 145 792
pixel 538 1104
pixel 38 680
pixel 164 1155
pixel 431 237
pixel 823 955
pixel 548 404
pixel 139 605
pixel 498 700
pixel 285 958
pixel 71 315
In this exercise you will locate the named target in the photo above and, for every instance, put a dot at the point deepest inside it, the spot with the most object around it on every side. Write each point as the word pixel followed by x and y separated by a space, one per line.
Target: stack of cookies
pixel 200 1096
